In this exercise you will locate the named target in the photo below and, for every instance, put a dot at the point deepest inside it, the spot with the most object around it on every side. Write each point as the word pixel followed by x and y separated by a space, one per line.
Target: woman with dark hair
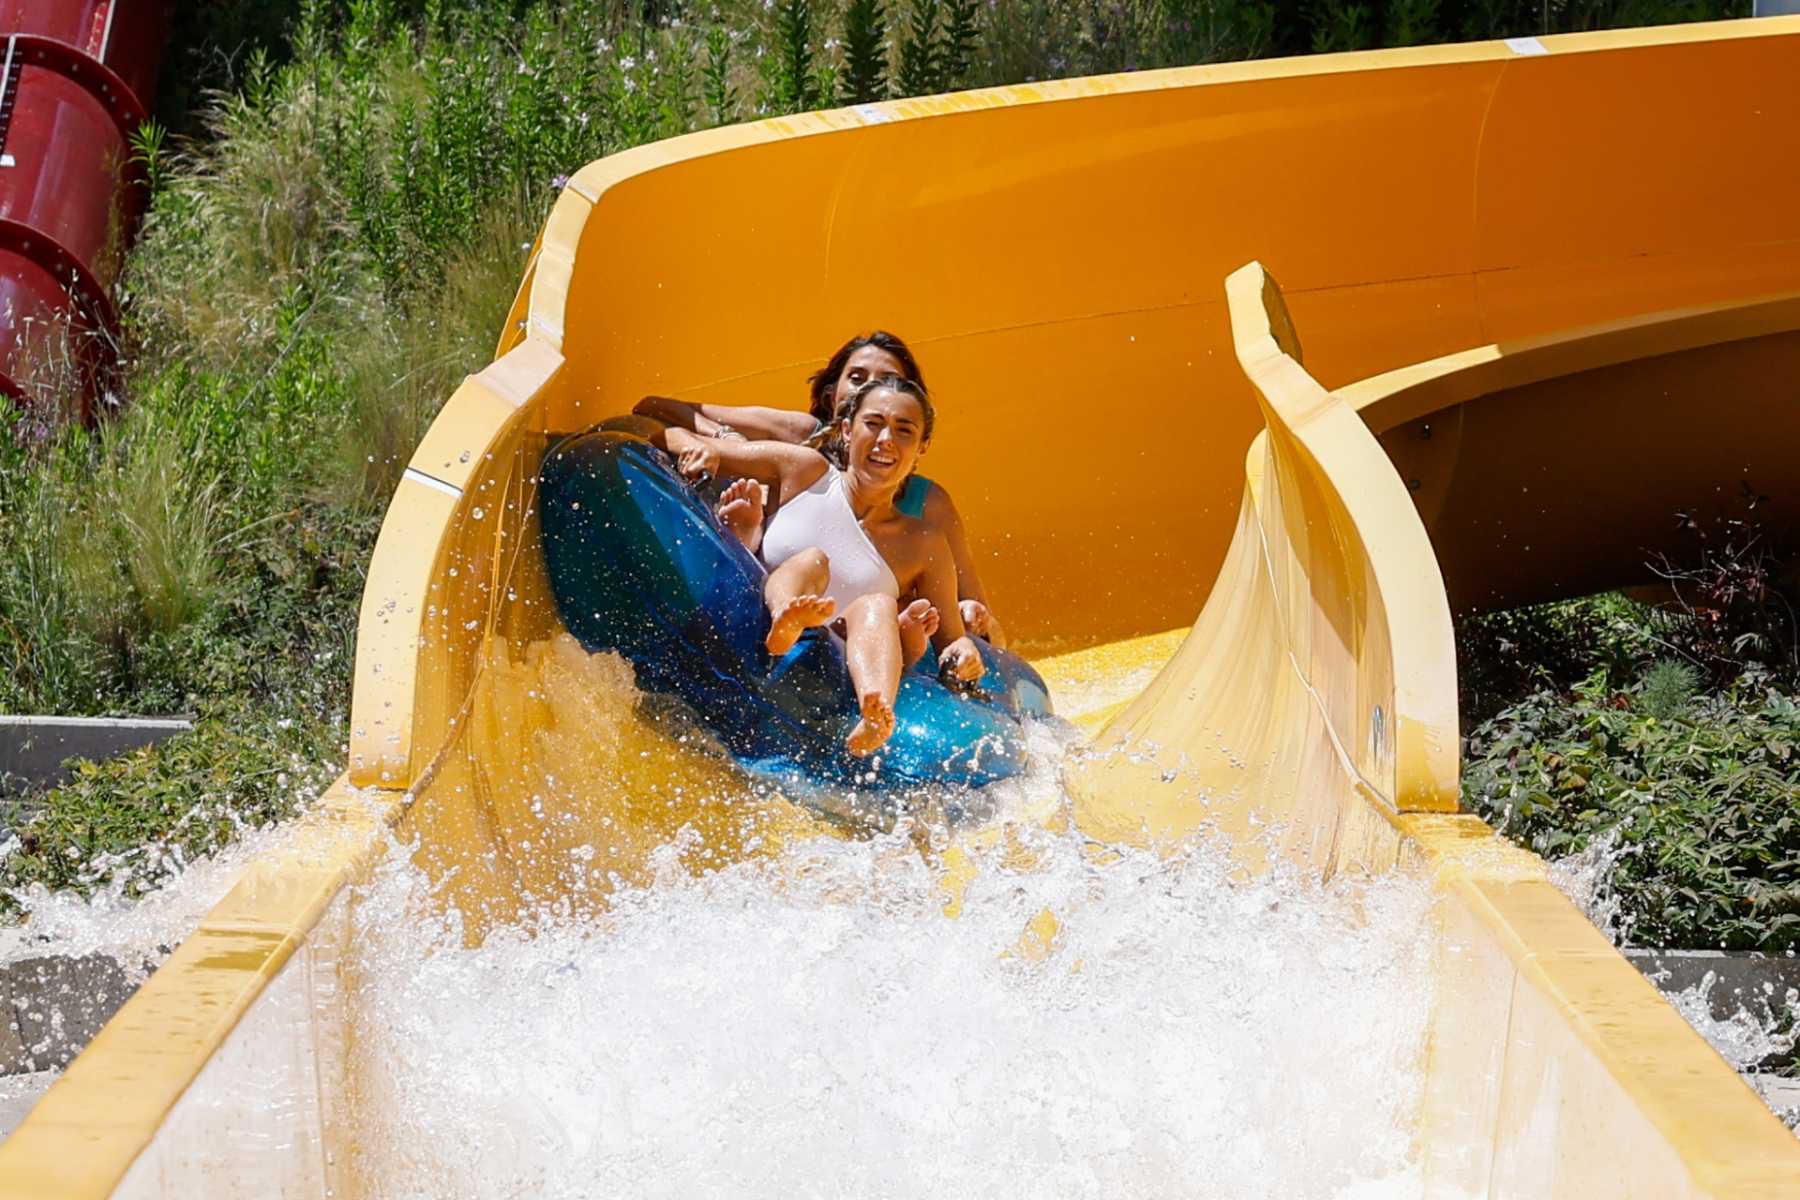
pixel 839 550
pixel 859 360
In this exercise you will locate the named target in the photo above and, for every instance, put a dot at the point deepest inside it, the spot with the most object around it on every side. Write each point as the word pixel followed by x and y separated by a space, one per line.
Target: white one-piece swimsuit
pixel 821 517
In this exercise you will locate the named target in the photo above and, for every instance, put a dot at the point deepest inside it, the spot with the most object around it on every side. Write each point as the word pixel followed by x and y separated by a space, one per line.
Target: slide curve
pixel 1524 312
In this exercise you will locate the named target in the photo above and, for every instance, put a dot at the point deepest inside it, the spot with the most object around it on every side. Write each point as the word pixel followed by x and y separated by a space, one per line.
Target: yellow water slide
pixel 1533 297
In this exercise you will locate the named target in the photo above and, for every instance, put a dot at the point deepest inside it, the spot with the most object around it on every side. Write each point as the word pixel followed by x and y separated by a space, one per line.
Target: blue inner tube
pixel 639 564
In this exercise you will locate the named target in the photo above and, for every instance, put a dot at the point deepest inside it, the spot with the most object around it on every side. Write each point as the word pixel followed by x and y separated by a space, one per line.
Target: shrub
pixel 921 52
pixel 962 34
pixel 133 821
pixel 1733 594
pixel 1703 800
pixel 865 52
pixel 1503 657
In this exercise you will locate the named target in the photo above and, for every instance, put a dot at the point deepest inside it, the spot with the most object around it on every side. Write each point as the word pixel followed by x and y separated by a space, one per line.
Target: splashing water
pixel 1745 1036
pixel 1586 878
pixel 806 1021
pixel 136 931
pixel 1742 1038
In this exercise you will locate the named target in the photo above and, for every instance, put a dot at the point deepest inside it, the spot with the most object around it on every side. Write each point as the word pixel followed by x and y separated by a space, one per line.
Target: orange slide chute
pixel 1524 312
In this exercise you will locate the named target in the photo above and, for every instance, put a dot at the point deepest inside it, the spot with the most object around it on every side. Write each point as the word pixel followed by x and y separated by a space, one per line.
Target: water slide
pixel 1321 350
pixel 76 80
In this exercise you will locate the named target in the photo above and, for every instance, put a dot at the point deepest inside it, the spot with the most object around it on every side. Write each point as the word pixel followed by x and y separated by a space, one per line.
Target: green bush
pixel 133 821
pixel 1502 657
pixel 865 76
pixel 1701 794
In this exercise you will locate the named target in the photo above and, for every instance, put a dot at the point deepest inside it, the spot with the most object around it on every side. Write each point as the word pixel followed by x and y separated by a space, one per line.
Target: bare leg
pixel 918 621
pixel 741 511
pixel 795 593
pixel 872 630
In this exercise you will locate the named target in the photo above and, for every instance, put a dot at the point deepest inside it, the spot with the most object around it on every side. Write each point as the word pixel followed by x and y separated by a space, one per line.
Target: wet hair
pixel 837 446
pixel 825 380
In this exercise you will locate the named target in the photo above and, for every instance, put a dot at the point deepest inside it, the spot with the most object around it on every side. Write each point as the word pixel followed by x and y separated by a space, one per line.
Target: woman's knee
pixel 809 569
pixel 873 608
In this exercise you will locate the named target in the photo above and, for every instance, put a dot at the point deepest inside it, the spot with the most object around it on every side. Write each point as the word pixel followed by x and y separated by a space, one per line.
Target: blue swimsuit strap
pixel 911 500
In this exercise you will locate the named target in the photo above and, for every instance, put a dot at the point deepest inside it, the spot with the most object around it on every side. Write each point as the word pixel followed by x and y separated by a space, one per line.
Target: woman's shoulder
pixel 923 498
pixel 928 501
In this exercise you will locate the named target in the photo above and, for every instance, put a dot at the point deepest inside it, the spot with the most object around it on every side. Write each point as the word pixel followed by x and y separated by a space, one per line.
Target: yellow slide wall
pixel 1055 253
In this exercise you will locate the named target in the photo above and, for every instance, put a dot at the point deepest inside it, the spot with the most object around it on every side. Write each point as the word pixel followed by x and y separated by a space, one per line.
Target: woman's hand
pixel 695 456
pixel 975 617
pixel 961 660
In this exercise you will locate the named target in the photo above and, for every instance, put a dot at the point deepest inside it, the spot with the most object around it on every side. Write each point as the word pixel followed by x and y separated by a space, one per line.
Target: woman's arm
pixel 678 413
pixel 940 513
pixel 753 421
pixel 762 424
pixel 791 468
pixel 957 655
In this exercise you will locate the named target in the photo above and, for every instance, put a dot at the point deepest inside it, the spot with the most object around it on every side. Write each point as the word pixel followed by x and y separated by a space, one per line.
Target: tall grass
pixel 411 358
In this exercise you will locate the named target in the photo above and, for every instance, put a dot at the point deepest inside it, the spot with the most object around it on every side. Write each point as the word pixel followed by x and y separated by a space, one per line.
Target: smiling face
pixel 884 439
pixel 868 362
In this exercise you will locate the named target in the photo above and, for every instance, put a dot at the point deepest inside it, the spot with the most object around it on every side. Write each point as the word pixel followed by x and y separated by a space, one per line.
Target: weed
pixel 1337 25
pixel 1668 690
pixel 921 52
pixel 411 359
pixel 791 68
pixel 719 92
pixel 1732 596
pixel 865 51
pixel 962 34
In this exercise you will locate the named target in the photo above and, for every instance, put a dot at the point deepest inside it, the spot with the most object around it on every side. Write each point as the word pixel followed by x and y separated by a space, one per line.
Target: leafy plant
pixel 1411 22
pixel 922 52
pixel 865 52
pixel 962 35
pixel 791 66
pixel 1337 26
pixel 1504 656
pixel 1704 803
pixel 719 92
pixel 1668 690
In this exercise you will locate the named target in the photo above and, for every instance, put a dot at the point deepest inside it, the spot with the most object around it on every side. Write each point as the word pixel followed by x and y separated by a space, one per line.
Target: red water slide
pixel 77 79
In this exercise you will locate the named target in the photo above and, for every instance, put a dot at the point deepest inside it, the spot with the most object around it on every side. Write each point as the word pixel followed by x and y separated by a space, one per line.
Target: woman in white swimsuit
pixel 840 551
pixel 862 358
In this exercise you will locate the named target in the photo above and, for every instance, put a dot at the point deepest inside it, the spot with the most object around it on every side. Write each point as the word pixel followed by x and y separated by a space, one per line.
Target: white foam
pixel 136 930
pixel 815 1026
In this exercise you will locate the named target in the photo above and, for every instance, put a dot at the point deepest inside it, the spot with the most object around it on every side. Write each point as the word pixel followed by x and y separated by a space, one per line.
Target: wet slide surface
pixel 1238 941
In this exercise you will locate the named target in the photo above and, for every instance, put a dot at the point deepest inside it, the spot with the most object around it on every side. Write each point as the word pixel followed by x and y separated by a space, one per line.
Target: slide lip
pixel 1419 389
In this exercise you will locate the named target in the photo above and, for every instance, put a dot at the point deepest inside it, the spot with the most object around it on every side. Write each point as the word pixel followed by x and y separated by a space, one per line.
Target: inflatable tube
pixel 639 564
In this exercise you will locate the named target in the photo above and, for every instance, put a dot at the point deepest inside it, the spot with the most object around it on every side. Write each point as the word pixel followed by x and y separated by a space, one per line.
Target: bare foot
pixel 918 621
pixel 741 511
pixel 876 726
pixel 795 618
